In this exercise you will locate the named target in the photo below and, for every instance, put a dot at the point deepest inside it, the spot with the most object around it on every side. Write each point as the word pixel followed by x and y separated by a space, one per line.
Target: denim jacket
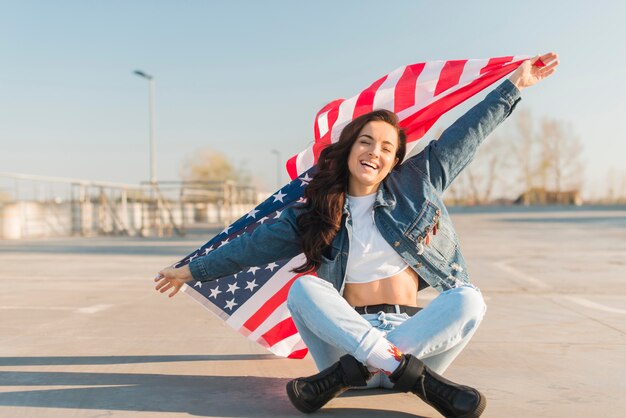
pixel 408 207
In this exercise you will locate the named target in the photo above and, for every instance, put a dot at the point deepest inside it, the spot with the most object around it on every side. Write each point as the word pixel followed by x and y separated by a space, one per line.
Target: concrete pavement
pixel 83 333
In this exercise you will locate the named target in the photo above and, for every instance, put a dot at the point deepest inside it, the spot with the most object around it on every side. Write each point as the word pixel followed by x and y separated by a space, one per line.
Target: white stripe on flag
pixel 286 346
pixel 322 123
pixel 409 148
pixel 346 111
pixel 426 84
pixel 385 95
pixel 281 313
pixel 305 160
pixel 471 71
pixel 427 97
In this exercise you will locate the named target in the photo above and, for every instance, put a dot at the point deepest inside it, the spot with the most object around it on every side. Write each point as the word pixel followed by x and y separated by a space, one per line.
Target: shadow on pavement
pixel 69 360
pixel 233 396
pixel 181 250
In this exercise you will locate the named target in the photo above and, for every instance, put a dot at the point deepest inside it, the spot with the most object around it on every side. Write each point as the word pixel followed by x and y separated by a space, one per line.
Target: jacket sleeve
pixel 444 159
pixel 267 243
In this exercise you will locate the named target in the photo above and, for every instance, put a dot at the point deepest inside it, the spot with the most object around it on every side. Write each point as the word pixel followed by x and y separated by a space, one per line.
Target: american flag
pixel 253 301
pixel 418 93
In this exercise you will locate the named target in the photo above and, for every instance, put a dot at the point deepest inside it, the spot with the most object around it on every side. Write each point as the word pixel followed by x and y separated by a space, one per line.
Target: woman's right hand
pixel 172 278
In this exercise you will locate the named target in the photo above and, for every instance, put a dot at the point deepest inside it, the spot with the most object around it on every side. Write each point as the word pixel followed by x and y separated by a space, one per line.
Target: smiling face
pixel 372 157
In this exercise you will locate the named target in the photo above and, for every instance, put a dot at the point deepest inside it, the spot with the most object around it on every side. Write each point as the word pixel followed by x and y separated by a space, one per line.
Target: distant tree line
pixel 524 162
pixel 528 163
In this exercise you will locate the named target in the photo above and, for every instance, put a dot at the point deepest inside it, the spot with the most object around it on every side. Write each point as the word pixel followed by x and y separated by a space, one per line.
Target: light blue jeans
pixel 330 327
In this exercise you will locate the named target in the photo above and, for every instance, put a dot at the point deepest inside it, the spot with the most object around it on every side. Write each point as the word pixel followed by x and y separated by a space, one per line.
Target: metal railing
pixel 41 206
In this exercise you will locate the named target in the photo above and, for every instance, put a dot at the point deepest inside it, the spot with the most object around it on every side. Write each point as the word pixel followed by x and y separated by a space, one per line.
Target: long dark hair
pixel 326 193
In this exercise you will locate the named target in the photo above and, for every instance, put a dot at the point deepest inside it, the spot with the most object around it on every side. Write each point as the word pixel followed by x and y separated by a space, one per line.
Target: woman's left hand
pixel 173 278
pixel 534 70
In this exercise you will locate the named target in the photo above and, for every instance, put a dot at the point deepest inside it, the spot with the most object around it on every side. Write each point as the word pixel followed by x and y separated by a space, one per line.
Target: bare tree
pixel 538 165
pixel 457 194
pixel 615 187
pixel 561 156
pixel 486 173
pixel 524 150
pixel 208 165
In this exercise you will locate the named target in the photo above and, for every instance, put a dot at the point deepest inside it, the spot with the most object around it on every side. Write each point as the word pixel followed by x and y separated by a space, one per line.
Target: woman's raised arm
pixel 445 158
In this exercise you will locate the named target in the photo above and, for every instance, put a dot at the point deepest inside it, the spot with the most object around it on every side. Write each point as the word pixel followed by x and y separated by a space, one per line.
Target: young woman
pixel 377 231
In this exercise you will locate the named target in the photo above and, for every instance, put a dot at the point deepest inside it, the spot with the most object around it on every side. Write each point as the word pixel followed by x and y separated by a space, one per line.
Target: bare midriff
pixel 399 289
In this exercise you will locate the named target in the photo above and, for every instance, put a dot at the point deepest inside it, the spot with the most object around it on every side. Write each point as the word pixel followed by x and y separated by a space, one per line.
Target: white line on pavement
pixel 86 309
pixel 589 304
pixel 518 274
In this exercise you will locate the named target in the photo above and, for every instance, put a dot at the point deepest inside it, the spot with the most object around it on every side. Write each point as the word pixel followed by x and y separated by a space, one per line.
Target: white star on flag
pixel 232 288
pixel 278 213
pixel 253 270
pixel 278 197
pixel 224 243
pixel 251 285
pixel 252 213
pixel 198 284
pixel 271 266
pixel 225 231
pixel 263 219
pixel 305 180
pixel 215 292
pixel 208 250
pixel 230 304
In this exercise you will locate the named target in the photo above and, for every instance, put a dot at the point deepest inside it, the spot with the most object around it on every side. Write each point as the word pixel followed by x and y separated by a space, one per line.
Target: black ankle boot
pixel 450 399
pixel 309 394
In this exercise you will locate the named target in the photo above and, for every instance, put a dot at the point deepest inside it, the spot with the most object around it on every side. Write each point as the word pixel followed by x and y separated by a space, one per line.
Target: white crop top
pixel 371 257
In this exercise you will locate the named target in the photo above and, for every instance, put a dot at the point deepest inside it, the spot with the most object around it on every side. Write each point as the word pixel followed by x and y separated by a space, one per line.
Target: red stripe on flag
pixel 366 99
pixel 269 306
pixel 418 124
pixel 450 75
pixel 404 94
pixel 319 146
pixel 299 354
pixel 495 63
pixel 292 167
pixel 284 329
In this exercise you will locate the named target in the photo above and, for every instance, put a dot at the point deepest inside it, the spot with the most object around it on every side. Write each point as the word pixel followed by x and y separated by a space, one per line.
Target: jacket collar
pixel 383 198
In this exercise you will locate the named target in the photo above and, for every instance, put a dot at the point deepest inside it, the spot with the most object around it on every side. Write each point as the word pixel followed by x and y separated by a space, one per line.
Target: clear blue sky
pixel 243 77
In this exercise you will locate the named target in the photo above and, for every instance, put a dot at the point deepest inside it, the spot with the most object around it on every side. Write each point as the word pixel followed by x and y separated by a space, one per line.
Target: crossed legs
pixel 330 327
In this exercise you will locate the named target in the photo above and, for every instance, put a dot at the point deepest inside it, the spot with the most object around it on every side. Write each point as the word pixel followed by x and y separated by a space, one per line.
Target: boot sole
pixel 295 401
pixel 482 404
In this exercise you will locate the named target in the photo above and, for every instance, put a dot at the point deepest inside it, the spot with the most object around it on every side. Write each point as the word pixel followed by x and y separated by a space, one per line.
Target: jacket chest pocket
pixel 432 235
pixel 331 262
pixel 331 252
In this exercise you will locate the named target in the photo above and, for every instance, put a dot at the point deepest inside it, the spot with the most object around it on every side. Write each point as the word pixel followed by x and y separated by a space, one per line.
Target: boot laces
pixel 323 385
pixel 440 389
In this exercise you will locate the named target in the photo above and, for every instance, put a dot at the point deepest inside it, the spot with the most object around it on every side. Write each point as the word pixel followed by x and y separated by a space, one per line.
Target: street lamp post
pixel 150 79
pixel 278 168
